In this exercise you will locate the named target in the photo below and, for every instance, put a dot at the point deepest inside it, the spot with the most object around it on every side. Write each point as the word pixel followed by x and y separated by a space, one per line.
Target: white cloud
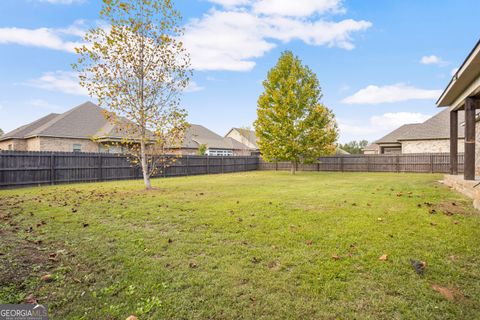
pixel 60 81
pixel 42 104
pixel 377 126
pixel 390 93
pixel 231 3
pixel 298 8
pixel 44 37
pixel 193 87
pixel 62 1
pixel 433 59
pixel 231 39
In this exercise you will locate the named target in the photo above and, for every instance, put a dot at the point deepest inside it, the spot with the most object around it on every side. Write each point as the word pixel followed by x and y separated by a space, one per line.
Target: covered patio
pixel 463 93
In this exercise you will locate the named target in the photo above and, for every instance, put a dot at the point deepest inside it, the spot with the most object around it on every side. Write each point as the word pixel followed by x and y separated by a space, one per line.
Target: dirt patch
pixel 450 294
pixel 451 208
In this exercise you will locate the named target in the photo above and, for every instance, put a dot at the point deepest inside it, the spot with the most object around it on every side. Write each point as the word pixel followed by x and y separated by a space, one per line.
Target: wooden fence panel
pixel 421 163
pixel 35 168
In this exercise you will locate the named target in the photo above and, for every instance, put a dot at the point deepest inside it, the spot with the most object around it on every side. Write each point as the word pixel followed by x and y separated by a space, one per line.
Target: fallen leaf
pixel 383 257
pixel 309 242
pixel 433 224
pixel 456 222
pixel 47 278
pixel 445 292
pixel 336 257
pixel 193 265
pixel 132 317
pixel 380 219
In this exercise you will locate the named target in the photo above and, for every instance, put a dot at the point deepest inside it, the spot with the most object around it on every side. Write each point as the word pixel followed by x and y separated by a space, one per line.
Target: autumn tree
pixel 292 124
pixel 137 68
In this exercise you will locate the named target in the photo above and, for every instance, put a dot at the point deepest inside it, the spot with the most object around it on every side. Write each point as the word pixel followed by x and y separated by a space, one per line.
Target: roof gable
pixel 25 130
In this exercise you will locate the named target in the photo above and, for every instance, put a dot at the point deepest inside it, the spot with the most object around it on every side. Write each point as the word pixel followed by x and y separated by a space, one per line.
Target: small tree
pixel 202 149
pixel 1 132
pixel 137 68
pixel 292 124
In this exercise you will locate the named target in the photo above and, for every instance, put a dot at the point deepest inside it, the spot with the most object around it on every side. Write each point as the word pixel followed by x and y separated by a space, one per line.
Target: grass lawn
pixel 257 245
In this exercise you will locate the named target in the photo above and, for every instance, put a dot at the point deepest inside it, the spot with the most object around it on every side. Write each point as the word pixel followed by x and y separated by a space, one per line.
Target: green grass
pixel 258 245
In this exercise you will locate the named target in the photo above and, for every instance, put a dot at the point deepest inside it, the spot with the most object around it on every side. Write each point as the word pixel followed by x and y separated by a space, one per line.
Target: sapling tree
pixel 137 68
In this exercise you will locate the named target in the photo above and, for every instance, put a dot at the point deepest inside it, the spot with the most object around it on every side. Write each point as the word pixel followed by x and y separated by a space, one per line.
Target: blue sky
pixel 380 63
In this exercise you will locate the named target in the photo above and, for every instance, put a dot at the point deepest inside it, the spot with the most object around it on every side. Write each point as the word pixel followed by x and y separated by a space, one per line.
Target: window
pixel 10 147
pixel 220 153
pixel 77 148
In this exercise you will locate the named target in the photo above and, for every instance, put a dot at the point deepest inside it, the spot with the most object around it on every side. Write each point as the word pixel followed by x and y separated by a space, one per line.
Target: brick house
pixel 85 129
pixel 431 136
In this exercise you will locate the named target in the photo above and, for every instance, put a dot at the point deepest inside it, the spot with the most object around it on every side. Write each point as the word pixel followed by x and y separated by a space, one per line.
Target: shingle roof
pixel 372 147
pixel 83 122
pixel 22 131
pixel 437 127
pixel 395 135
pixel 197 135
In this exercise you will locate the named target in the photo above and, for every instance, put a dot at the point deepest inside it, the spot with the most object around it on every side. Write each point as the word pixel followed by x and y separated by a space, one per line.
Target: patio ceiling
pixel 465 83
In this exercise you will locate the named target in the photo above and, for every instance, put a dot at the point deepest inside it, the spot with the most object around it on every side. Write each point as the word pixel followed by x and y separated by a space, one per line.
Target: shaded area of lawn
pixel 258 245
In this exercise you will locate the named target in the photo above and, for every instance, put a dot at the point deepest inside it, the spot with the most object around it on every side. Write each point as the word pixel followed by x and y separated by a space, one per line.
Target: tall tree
pixel 292 124
pixel 137 68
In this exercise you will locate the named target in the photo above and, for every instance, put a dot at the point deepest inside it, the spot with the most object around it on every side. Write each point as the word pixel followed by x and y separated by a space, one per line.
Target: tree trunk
pixel 293 167
pixel 143 156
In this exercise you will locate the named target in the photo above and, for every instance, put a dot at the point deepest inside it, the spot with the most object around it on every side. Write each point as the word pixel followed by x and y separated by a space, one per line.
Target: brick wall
pixel 430 146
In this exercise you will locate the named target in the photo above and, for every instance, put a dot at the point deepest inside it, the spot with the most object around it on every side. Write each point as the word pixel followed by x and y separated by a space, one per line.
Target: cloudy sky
pixel 380 63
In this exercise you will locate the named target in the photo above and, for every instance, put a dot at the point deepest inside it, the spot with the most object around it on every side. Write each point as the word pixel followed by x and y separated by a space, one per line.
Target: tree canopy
pixel 292 124
pixel 354 147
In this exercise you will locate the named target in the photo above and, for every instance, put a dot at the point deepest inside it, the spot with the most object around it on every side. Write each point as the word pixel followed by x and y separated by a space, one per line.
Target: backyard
pixel 254 245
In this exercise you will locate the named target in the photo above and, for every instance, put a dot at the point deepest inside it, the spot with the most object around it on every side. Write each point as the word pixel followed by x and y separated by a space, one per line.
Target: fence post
pixel 222 165
pixel 368 164
pixel 341 163
pixel 397 163
pixel 165 166
pixel 318 165
pixel 276 165
pixel 100 167
pixel 431 163
pixel 188 164
pixel 208 165
pixel 52 168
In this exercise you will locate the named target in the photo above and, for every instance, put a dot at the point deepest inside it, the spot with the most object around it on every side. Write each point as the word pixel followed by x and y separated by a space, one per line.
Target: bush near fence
pixel 421 163
pixel 34 168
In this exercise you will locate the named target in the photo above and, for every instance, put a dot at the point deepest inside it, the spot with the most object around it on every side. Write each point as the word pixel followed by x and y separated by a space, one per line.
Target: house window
pixel 77 148
pixel 220 153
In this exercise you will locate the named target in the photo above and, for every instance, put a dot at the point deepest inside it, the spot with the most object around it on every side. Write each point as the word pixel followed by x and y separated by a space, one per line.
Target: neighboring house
pixel 246 137
pixel 216 145
pixel 431 136
pixel 85 129
pixel 371 149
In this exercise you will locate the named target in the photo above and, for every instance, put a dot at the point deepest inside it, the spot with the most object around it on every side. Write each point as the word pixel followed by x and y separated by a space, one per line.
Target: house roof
pixel 81 122
pixel 247 134
pixel 22 131
pixel 396 134
pixel 465 82
pixel 372 147
pixel 197 135
pixel 437 127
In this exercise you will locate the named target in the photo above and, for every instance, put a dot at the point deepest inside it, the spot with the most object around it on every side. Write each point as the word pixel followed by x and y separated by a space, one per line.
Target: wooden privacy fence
pixel 422 163
pixel 34 168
